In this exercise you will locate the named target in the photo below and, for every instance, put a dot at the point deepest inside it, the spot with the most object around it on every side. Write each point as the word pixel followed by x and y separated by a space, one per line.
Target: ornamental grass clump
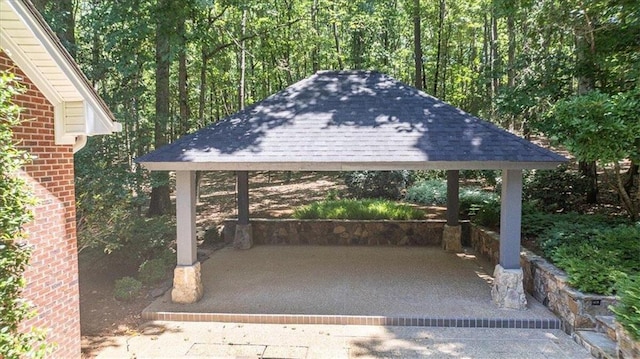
pixel 367 209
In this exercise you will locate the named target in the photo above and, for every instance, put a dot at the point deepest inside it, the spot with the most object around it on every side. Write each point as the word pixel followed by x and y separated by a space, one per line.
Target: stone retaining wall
pixel 548 284
pixel 343 232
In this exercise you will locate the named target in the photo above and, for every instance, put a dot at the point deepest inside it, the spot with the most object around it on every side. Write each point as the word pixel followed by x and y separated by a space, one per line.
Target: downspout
pixel 81 141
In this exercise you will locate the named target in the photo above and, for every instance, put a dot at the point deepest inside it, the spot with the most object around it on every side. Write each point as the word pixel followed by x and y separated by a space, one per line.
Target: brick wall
pixel 52 275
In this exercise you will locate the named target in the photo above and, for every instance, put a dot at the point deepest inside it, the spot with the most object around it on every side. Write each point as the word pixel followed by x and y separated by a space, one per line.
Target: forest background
pixel 169 67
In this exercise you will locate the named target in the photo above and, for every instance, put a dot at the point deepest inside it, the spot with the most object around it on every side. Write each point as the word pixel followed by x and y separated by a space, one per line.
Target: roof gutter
pixel 81 141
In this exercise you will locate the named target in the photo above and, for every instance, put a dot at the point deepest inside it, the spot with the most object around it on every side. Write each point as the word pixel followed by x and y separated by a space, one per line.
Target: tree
pixel 597 127
pixel 165 21
pixel 417 43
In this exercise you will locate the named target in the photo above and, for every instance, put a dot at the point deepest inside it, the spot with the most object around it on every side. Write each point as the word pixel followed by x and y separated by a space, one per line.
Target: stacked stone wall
pixel 343 232
pixel 547 284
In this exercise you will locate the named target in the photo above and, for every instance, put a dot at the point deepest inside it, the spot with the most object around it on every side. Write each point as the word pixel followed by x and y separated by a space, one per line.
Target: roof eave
pixel 346 166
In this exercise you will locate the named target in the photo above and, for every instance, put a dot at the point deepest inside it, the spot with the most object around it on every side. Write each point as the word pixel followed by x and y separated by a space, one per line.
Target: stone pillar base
pixel 244 237
pixel 507 291
pixel 452 238
pixel 187 284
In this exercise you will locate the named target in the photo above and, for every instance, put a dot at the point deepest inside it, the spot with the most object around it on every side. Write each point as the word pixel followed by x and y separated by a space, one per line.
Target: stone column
pixel 508 290
pixel 187 283
pixel 244 234
pixel 452 234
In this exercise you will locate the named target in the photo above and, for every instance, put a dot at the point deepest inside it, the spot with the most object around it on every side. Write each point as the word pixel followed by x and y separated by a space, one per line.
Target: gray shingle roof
pixel 350 120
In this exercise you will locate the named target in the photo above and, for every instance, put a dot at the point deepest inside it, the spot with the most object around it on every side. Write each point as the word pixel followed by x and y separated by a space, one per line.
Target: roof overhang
pixel 342 166
pixel 31 44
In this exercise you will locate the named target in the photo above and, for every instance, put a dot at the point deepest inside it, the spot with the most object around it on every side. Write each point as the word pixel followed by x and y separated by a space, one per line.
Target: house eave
pixel 97 118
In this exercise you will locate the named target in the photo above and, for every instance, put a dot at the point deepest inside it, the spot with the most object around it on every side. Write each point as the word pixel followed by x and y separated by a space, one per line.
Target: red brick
pixel 52 273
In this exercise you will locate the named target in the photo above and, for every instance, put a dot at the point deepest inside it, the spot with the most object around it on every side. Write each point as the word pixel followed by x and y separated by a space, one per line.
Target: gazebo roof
pixel 350 120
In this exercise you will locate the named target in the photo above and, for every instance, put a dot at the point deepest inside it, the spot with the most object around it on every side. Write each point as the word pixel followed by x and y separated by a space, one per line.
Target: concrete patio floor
pixel 410 286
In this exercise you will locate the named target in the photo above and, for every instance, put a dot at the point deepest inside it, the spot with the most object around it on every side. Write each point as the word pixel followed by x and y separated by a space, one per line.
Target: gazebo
pixel 348 121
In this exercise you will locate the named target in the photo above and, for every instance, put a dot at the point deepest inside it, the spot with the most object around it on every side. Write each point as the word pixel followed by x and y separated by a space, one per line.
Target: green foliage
pixel 128 235
pixel 594 255
pixel 377 184
pixel 358 210
pixel 627 310
pixel 126 289
pixel 14 253
pixel 559 190
pixel 152 271
pixel 472 199
pixel 488 215
pixel 596 126
pixel 434 192
pixel 429 192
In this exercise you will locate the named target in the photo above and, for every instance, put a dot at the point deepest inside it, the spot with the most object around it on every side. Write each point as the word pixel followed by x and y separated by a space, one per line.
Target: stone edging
pixel 548 284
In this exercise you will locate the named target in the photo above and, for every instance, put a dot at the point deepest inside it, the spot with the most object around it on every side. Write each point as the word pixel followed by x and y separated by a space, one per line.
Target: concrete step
pixel 607 324
pixel 598 344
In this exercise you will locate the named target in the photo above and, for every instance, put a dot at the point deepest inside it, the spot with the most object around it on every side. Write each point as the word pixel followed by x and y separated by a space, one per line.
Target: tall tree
pixel 417 43
pixel 159 202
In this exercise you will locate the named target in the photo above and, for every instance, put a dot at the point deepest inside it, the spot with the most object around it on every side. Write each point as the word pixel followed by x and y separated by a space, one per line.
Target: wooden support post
pixel 244 234
pixel 243 197
pixel 187 284
pixel 453 200
pixel 510 219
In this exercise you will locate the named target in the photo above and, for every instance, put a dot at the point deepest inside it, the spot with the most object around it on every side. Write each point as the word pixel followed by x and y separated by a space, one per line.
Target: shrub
pixel 127 288
pixel 169 257
pixel 152 271
pixel 212 235
pixel 358 209
pixel 627 310
pixel 377 184
pixel 15 201
pixel 488 215
pixel 588 268
pixel 596 259
pixel 487 176
pixel 128 236
pixel 434 192
pixel 473 198
pixel 429 192
pixel 559 190
pixel 554 230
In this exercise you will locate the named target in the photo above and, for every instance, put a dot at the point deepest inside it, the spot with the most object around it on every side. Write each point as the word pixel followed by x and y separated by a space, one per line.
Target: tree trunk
pixel 243 62
pixel 160 202
pixel 417 43
pixel 336 40
pixel 511 52
pixel 183 90
pixel 495 59
pixel 436 76
pixel 589 170
pixel 585 50
pixel 630 177
pixel 203 89
pixel 315 52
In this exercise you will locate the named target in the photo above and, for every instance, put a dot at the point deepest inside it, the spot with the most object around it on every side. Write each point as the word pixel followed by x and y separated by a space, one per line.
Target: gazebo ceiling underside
pixel 350 120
